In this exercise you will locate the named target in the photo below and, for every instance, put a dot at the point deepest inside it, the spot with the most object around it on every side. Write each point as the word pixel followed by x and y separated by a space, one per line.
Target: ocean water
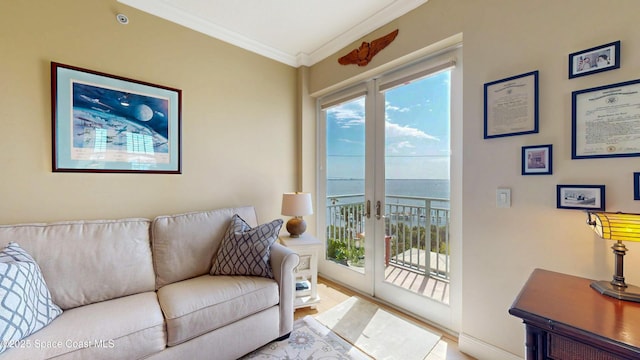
pixel 431 188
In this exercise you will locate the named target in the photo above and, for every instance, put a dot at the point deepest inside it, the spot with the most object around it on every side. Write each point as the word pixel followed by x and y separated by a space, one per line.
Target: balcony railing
pixel 416 232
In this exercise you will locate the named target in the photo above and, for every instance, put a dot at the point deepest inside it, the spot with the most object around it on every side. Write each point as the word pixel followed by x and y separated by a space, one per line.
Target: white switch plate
pixel 503 198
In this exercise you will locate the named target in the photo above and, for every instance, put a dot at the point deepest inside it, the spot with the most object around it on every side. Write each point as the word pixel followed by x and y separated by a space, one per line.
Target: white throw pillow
pixel 25 301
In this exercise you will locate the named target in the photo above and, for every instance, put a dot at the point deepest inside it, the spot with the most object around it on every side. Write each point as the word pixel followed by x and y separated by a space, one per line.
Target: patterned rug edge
pixel 309 340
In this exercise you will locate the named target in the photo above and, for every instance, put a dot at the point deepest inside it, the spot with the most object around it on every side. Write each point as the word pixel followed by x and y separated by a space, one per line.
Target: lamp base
pixel 629 293
pixel 296 226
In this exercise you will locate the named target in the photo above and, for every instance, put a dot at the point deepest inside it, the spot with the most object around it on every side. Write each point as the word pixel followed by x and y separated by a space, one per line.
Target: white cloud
pixel 348 123
pixel 390 107
pixel 397 131
pixel 397 147
pixel 349 141
pixel 349 114
pixel 404 144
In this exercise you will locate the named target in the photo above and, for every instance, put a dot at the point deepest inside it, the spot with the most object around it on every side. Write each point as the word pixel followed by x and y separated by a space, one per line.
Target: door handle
pixel 378 216
pixel 368 210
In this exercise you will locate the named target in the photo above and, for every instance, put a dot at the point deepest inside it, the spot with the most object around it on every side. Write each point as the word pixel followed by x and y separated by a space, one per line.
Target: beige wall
pixel 241 131
pixel 501 247
pixel 238 115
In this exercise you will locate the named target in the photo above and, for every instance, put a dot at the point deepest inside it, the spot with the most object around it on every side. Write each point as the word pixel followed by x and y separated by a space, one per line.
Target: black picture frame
pixel 636 186
pixel 599 58
pixel 537 160
pixel 511 106
pixel 603 121
pixel 581 197
pixel 113 124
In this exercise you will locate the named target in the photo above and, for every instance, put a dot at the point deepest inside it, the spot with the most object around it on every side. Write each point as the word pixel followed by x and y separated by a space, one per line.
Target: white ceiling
pixel 294 32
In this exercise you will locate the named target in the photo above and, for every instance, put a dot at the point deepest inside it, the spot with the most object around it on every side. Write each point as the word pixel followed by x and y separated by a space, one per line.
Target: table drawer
pixel 563 348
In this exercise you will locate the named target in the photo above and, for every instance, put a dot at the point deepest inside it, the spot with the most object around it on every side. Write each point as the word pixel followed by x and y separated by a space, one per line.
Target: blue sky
pixel 417 140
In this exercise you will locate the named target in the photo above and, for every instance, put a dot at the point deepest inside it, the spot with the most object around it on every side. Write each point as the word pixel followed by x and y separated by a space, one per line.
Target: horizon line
pixel 345 178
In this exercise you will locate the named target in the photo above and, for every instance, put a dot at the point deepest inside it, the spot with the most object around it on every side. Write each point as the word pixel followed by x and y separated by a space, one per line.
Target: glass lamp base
pixel 629 293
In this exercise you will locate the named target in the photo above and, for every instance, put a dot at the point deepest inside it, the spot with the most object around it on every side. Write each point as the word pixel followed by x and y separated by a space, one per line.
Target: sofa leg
pixel 283 337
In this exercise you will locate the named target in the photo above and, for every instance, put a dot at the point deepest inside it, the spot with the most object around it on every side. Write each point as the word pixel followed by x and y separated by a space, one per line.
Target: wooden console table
pixel 565 319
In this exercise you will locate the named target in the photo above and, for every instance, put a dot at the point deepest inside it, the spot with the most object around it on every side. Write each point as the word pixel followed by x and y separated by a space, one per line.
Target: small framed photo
pixel 636 186
pixel 597 59
pixel 581 197
pixel 537 160
pixel 108 123
pixel 511 106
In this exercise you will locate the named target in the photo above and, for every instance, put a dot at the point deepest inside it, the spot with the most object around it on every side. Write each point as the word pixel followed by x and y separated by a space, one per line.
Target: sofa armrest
pixel 283 261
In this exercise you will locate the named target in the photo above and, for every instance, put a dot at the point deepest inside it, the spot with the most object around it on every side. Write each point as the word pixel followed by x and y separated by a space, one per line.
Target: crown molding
pixel 381 18
pixel 166 11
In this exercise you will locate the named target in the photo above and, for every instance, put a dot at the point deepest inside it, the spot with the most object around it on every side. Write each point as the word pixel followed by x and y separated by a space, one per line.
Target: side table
pixel 565 319
pixel 306 273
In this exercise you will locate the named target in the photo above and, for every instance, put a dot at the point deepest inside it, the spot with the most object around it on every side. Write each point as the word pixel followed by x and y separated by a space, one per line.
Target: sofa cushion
pixel 245 250
pixel 183 245
pixel 196 306
pixel 131 327
pixel 84 262
pixel 25 301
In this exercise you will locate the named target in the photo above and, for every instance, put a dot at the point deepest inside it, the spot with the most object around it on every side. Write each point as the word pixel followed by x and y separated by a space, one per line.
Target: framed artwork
pixel 511 106
pixel 606 121
pixel 582 197
pixel 108 123
pixel 537 160
pixel 597 59
pixel 636 186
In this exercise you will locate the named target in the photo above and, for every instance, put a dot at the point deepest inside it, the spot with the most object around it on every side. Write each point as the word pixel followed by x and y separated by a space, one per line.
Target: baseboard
pixel 483 351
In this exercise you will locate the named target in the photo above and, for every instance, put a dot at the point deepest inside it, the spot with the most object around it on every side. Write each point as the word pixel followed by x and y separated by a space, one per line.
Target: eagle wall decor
pixel 363 55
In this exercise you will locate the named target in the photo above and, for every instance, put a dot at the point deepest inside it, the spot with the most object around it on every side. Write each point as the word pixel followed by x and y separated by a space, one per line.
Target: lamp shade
pixel 615 226
pixel 296 204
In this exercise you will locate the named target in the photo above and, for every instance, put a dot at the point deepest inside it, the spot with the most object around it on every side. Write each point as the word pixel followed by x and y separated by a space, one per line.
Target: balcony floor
pixel 426 286
pixel 414 279
pixel 431 287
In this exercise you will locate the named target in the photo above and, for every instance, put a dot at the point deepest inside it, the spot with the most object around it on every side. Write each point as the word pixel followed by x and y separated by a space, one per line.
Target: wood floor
pixel 332 294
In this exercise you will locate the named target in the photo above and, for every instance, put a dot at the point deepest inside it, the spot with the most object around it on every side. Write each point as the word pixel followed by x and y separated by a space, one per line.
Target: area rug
pixel 309 340
pixel 379 333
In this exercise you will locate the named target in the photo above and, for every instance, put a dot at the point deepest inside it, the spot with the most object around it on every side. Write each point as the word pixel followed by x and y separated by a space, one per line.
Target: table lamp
pixel 619 227
pixel 296 204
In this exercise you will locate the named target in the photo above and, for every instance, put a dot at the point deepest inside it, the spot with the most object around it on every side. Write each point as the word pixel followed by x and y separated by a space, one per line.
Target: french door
pixel 385 176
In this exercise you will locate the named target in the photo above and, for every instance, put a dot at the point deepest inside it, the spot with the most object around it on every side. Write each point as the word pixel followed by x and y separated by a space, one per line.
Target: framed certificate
pixel 511 106
pixel 606 121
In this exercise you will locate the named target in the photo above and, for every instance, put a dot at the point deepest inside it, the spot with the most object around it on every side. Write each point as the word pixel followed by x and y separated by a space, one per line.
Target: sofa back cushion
pixel 183 245
pixel 84 262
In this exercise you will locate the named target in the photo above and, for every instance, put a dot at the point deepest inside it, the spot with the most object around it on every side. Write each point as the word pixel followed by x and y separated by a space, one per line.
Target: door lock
pixel 378 216
pixel 368 210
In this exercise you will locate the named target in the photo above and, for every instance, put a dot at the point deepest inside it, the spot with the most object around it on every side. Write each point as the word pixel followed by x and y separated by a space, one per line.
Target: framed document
pixel 606 121
pixel 107 123
pixel 511 106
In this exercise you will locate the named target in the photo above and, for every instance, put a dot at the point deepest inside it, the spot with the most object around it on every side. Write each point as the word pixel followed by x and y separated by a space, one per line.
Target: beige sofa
pixel 141 289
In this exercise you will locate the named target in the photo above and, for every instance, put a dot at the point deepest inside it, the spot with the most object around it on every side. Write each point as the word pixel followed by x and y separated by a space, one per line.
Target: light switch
pixel 503 198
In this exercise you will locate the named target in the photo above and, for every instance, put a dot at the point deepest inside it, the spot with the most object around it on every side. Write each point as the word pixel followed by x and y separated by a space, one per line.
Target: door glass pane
pixel 417 157
pixel 345 166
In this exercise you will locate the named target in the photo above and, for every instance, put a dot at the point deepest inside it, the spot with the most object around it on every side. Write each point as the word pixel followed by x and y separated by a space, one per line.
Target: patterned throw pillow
pixel 25 301
pixel 245 250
